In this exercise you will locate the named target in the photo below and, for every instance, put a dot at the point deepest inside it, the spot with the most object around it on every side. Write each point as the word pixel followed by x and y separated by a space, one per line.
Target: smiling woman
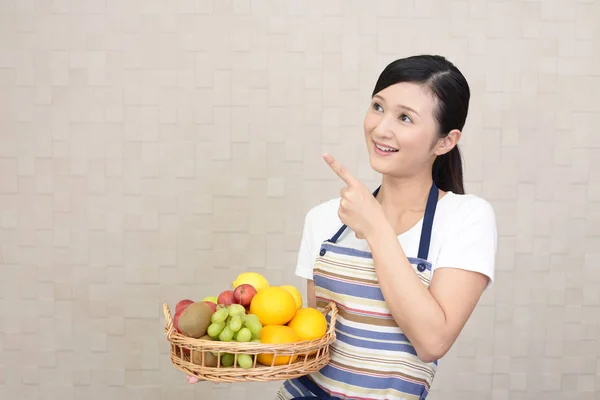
pixel 407 263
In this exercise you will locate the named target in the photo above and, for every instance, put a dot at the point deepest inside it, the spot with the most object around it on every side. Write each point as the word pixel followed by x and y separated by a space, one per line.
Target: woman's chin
pixel 382 167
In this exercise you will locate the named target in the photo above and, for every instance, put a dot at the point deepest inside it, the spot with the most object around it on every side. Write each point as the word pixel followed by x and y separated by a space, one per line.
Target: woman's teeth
pixel 388 149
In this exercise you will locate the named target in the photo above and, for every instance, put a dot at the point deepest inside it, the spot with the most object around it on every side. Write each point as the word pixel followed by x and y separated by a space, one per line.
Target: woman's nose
pixel 383 129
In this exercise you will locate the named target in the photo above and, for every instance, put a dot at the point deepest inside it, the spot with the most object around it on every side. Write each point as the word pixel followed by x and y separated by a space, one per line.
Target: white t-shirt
pixel 464 235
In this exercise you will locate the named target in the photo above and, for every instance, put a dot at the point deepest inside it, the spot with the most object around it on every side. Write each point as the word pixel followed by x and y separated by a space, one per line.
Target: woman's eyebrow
pixel 398 105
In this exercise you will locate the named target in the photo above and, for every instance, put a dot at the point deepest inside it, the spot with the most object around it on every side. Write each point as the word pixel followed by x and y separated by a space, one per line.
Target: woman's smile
pixel 383 150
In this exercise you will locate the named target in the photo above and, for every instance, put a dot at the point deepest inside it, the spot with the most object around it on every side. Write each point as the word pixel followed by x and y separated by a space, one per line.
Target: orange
pixel 277 334
pixel 273 306
pixel 295 294
pixel 309 323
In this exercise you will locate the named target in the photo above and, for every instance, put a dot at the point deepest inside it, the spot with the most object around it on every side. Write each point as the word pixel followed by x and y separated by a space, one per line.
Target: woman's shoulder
pixel 462 216
pixel 461 207
pixel 466 234
pixel 324 213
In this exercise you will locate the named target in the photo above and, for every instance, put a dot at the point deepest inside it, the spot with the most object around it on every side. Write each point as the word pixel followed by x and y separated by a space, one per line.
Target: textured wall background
pixel 152 150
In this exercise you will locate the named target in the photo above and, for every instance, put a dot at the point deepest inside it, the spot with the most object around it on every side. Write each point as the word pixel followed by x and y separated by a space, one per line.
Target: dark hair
pixel 451 89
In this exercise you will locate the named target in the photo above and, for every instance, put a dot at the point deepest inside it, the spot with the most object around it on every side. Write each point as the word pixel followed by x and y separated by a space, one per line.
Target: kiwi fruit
pixel 194 320
pixel 209 359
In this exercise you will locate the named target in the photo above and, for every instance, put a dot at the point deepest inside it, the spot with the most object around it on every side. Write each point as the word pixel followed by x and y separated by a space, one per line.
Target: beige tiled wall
pixel 152 150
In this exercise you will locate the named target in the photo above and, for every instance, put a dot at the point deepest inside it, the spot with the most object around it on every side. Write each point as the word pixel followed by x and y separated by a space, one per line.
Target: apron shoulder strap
pixel 425 240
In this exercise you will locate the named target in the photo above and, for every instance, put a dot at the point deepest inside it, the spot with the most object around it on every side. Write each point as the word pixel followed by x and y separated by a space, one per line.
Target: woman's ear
pixel 448 143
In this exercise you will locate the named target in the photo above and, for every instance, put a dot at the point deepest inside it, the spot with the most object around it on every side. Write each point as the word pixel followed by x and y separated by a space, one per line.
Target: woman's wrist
pixel 380 232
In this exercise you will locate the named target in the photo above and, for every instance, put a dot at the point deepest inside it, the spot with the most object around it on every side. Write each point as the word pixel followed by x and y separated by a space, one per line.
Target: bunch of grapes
pixel 231 323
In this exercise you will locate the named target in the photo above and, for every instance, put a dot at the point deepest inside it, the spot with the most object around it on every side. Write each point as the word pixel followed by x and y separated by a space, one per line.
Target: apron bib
pixel 371 357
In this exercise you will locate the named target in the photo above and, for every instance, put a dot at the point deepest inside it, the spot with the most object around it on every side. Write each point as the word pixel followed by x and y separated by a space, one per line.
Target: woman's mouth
pixel 384 150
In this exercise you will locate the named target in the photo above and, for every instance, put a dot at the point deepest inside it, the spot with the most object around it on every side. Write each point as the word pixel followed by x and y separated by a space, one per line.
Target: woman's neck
pixel 403 200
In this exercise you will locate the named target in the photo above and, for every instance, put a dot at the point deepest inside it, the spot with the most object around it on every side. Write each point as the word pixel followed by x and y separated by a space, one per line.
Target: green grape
pixel 253 323
pixel 227 359
pixel 226 334
pixel 235 324
pixel 245 361
pixel 219 316
pixel 215 329
pixel 252 317
pixel 236 309
pixel 255 341
pixel 244 335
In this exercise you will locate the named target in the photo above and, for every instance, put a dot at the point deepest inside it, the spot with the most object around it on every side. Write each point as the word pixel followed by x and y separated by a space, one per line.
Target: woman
pixel 407 263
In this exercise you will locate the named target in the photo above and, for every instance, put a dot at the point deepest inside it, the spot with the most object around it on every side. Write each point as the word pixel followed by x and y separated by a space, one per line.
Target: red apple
pixel 225 298
pixel 212 305
pixel 182 305
pixel 243 294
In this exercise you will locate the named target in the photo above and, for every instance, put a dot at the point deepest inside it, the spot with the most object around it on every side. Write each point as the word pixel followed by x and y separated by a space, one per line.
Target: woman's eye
pixel 405 118
pixel 377 107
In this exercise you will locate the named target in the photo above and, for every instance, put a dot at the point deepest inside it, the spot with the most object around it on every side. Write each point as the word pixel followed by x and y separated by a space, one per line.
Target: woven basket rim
pixel 177 338
pixel 303 357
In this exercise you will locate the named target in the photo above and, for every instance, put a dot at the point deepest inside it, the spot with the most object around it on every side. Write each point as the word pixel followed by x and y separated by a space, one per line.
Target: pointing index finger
pixel 339 169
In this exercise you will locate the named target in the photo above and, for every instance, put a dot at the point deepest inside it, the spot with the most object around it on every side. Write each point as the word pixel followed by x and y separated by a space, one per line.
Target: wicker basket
pixel 187 355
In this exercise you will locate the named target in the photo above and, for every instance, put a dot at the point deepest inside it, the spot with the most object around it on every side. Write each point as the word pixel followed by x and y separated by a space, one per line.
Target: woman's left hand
pixel 359 210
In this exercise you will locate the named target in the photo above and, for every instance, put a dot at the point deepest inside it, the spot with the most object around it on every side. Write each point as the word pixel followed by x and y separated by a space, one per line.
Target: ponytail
pixel 447 172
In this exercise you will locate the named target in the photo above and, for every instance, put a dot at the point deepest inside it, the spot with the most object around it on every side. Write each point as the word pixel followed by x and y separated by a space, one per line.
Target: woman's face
pixel 401 130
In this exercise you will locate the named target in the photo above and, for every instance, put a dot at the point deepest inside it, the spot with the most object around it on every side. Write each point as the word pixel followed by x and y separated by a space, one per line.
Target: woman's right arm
pixel 310 293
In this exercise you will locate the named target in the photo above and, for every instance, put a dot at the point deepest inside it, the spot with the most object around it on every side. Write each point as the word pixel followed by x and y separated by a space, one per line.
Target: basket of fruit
pixel 253 332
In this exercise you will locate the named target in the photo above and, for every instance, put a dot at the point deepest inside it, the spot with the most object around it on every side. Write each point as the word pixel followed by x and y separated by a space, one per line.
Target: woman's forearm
pixel 412 306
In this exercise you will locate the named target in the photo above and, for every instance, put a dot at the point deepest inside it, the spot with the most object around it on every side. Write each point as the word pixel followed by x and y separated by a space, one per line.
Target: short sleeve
pixel 307 253
pixel 472 242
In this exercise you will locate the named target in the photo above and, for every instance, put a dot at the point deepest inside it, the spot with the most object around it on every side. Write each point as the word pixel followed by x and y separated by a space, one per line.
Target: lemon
pixel 295 294
pixel 255 279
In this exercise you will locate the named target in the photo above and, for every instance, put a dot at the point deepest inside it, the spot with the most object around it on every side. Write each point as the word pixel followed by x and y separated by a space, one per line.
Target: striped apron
pixel 371 357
